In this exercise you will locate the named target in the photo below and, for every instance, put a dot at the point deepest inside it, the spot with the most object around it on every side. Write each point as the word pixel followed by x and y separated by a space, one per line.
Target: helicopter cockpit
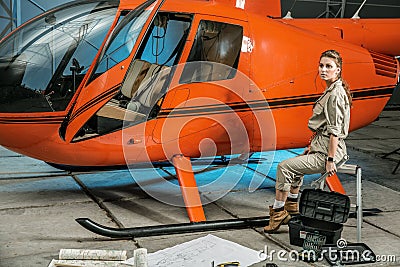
pixel 149 76
pixel 43 63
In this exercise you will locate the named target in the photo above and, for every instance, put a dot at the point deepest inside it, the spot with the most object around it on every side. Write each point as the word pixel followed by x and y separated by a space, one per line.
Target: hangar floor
pixel 38 204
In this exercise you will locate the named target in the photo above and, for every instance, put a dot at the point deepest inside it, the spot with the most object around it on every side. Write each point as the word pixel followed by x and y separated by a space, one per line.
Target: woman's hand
pixel 330 167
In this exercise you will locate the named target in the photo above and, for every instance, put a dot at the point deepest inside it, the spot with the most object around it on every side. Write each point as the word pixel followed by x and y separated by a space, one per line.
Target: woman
pixel 330 124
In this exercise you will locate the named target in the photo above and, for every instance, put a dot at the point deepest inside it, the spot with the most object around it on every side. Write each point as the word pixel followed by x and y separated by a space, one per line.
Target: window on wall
pixel 215 51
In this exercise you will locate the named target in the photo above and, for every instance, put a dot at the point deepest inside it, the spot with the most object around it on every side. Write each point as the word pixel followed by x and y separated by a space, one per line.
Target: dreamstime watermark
pixel 211 110
pixel 341 253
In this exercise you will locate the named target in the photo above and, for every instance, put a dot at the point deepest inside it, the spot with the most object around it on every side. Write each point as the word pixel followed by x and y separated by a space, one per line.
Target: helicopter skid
pixel 168 229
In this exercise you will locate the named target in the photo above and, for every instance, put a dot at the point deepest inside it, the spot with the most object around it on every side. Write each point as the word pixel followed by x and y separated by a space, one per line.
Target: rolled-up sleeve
pixel 334 114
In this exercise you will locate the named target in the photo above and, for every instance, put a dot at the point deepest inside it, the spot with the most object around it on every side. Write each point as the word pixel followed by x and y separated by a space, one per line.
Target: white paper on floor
pixel 202 252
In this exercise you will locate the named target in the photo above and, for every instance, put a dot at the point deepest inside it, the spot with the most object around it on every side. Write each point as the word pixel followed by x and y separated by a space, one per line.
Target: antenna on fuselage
pixel 288 15
pixel 356 16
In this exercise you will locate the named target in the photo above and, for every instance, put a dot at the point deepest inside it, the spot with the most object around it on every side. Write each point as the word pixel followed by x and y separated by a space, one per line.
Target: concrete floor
pixel 39 204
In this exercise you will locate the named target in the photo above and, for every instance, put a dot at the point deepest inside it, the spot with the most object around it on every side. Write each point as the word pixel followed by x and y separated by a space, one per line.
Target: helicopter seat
pixel 150 89
pixel 116 108
pixel 135 76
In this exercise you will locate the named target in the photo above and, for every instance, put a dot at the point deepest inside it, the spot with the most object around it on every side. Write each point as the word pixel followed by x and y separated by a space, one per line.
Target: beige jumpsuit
pixel 331 115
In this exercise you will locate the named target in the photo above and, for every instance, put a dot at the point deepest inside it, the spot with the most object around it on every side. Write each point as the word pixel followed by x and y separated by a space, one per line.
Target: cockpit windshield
pixel 43 62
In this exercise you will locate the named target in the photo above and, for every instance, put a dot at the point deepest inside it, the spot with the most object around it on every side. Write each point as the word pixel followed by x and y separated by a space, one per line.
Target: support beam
pixel 17 14
pixel 190 192
pixel 343 8
pixel 37 5
pixel 5 30
pixel 6 6
pixel 329 11
pixel 15 7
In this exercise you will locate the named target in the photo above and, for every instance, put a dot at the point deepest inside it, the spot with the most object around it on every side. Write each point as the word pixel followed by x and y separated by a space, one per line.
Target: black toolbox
pixel 322 213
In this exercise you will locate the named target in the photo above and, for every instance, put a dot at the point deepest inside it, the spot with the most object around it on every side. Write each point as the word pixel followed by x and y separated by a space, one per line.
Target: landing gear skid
pixel 157 230
pixel 182 228
pixel 194 208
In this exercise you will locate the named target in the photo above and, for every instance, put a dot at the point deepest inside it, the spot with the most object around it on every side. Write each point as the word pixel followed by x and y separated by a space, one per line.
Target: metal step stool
pixel 347 169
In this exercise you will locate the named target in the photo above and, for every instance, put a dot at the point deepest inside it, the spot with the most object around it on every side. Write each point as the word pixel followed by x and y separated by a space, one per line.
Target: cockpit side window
pixel 161 50
pixel 216 42
pixel 123 39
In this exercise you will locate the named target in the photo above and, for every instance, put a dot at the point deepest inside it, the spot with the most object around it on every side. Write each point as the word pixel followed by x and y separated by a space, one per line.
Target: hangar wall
pixel 341 8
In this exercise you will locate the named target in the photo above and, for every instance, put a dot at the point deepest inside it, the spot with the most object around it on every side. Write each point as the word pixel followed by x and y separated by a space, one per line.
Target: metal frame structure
pixel 336 8
pixel 347 169
pixel 13 9
pixel 7 7
pixel 329 12
pixel 356 170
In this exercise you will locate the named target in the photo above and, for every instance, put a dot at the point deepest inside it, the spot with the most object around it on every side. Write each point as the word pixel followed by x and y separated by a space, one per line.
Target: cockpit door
pixel 212 77
pixel 109 70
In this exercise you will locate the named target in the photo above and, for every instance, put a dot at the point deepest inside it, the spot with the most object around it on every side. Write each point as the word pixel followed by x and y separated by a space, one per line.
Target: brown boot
pixel 276 219
pixel 292 206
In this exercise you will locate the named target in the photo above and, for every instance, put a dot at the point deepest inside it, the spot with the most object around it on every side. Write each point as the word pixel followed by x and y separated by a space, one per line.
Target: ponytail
pixel 348 92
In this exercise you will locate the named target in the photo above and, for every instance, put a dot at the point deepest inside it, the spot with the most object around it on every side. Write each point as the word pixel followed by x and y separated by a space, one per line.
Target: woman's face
pixel 328 70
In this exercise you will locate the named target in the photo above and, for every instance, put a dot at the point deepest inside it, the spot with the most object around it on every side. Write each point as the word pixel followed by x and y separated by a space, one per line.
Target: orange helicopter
pixel 112 83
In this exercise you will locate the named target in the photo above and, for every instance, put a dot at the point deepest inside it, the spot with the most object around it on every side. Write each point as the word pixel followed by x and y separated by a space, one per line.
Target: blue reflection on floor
pixel 241 176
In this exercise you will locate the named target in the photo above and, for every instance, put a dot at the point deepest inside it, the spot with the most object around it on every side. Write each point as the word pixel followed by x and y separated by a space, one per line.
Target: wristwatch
pixel 329 159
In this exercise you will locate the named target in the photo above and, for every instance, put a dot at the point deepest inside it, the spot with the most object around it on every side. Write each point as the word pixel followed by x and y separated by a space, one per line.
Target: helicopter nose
pixel 29 88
